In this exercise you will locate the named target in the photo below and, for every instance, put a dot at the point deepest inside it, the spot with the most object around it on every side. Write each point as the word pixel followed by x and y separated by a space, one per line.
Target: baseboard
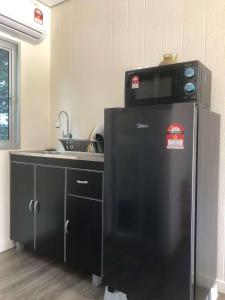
pixel 221 286
pixel 204 280
pixel 214 292
pixel 6 245
pixel 213 295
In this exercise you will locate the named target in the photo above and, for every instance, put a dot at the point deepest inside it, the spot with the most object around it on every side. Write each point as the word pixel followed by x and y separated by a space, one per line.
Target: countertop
pixel 73 155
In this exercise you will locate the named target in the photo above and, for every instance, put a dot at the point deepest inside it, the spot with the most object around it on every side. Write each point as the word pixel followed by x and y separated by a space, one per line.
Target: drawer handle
pixel 66 226
pixel 31 206
pixel 82 181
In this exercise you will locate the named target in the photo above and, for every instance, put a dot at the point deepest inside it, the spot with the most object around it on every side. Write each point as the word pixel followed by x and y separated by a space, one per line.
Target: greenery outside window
pixel 9 121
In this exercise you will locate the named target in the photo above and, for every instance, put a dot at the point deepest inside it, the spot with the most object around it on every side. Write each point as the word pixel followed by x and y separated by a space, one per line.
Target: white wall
pixel 95 41
pixel 34 99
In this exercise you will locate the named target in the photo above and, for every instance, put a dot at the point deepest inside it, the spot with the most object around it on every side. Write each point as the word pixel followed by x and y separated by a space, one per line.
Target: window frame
pixel 14 123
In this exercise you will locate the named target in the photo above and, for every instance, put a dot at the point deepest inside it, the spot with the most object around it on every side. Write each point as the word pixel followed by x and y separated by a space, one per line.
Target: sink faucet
pixel 67 135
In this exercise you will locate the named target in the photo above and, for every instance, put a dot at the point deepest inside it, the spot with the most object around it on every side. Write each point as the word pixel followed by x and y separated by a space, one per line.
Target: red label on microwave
pixel 135 82
pixel 38 16
pixel 175 136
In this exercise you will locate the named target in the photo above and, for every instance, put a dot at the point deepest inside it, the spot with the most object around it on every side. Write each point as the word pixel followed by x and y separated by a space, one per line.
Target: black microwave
pixel 181 82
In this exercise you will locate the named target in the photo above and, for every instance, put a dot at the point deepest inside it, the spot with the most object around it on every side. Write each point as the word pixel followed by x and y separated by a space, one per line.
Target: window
pixel 9 125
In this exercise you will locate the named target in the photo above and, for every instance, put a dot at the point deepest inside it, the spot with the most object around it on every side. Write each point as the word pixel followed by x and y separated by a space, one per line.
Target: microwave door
pixel 145 88
pixel 157 88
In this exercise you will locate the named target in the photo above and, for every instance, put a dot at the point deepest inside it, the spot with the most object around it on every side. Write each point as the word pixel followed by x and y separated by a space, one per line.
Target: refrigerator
pixel 160 201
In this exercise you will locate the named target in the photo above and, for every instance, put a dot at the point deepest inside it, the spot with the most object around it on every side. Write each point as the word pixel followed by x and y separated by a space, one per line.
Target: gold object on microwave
pixel 169 58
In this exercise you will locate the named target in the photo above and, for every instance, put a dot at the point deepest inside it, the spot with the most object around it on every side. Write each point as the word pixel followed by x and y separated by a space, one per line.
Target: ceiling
pixel 51 3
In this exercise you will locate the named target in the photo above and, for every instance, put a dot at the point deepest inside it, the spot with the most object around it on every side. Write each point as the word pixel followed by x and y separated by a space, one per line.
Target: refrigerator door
pixel 149 201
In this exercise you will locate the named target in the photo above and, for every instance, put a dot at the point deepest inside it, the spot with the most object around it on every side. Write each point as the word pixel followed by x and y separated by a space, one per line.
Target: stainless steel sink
pixel 68 153
pixel 53 153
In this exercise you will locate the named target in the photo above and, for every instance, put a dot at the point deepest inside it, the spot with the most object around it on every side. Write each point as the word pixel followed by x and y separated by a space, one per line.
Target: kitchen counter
pixel 72 155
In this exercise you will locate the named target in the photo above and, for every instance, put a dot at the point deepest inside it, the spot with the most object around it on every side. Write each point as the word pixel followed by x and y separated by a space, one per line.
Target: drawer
pixel 84 183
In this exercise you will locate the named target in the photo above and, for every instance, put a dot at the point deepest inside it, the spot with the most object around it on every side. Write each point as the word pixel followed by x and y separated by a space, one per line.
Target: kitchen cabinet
pixel 22 204
pixel 50 190
pixel 84 183
pixel 37 217
pixel 84 220
pixel 56 209
pixel 84 234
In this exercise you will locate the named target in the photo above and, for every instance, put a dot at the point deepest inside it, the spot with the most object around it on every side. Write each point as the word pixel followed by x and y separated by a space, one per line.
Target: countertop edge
pixel 79 156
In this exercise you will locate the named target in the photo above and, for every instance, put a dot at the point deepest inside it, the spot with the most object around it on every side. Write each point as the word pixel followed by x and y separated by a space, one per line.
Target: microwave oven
pixel 181 82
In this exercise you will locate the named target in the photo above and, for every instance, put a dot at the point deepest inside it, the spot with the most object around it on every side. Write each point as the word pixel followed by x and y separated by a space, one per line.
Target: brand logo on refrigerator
pixel 142 126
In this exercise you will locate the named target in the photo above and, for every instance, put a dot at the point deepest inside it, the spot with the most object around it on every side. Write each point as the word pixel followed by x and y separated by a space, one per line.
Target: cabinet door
pixel 84 234
pixel 49 211
pixel 22 203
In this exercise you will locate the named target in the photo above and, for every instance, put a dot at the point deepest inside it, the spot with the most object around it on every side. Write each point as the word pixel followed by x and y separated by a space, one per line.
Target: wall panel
pixel 136 34
pixel 194 33
pixel 154 33
pixel 172 17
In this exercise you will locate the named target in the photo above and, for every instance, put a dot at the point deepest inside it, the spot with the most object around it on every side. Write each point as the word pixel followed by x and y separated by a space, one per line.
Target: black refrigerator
pixel 160 201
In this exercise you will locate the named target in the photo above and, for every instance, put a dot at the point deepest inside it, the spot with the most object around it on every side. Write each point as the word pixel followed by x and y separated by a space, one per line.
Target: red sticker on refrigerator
pixel 135 82
pixel 175 136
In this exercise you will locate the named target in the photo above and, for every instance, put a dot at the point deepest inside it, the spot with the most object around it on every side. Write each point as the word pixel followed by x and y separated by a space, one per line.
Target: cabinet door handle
pixel 31 206
pixel 66 226
pixel 36 207
pixel 82 181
